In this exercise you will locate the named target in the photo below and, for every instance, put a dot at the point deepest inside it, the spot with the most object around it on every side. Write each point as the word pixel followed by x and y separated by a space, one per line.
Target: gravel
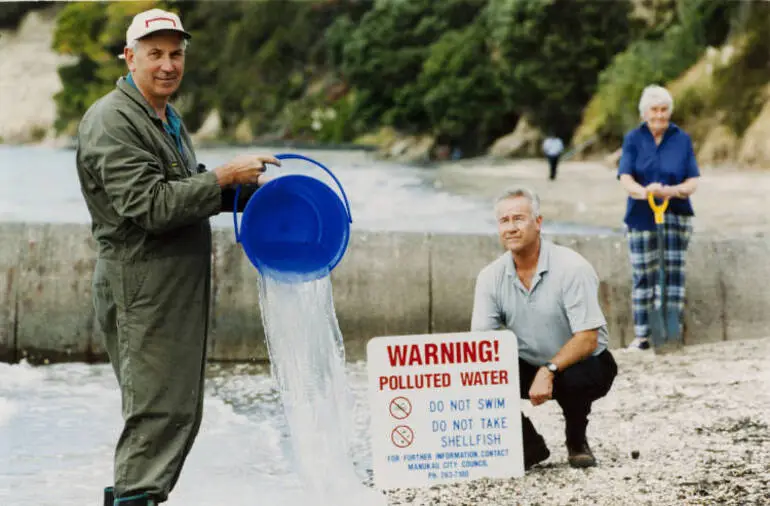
pixel 690 428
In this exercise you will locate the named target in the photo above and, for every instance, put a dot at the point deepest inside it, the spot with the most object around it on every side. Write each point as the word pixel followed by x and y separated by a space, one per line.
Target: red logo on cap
pixel 147 23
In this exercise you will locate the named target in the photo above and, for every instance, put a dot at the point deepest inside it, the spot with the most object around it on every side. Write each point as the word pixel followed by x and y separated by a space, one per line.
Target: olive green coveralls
pixel 149 205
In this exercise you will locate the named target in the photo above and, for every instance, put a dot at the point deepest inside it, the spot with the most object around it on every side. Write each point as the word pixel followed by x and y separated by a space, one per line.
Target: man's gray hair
pixel 521 191
pixel 655 95
pixel 135 42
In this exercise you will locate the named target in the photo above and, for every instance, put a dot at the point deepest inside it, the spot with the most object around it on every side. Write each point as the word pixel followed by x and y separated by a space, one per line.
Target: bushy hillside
pixel 459 71
pixel 720 81
pixel 456 76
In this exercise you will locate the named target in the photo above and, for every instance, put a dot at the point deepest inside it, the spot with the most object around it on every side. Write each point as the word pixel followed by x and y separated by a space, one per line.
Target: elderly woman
pixel 657 158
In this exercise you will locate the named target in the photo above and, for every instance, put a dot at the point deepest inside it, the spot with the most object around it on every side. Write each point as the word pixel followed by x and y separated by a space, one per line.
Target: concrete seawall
pixel 387 284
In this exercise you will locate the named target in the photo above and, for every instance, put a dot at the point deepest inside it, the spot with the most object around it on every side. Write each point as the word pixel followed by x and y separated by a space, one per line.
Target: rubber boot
pixel 109 496
pixel 135 500
pixel 579 454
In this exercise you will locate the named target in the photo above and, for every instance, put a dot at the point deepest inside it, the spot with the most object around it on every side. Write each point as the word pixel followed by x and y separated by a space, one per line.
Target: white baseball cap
pixel 151 21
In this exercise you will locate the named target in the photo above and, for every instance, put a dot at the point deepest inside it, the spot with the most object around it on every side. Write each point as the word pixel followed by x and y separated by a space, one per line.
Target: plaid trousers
pixel 643 250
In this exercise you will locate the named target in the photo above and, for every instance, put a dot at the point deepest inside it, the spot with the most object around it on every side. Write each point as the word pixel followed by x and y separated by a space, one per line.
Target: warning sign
pixel 444 408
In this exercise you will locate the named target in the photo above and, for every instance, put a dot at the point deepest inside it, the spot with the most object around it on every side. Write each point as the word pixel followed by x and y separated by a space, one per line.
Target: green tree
pixel 267 57
pixel 748 71
pixel 11 13
pixel 550 53
pixel 247 60
pixel 248 70
pixel 460 92
pixel 384 54
pixel 658 60
pixel 95 33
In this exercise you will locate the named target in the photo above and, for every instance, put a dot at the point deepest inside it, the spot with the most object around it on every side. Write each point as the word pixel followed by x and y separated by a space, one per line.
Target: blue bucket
pixel 295 228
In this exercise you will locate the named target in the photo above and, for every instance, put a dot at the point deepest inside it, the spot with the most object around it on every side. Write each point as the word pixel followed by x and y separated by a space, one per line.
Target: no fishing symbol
pixel 400 408
pixel 402 436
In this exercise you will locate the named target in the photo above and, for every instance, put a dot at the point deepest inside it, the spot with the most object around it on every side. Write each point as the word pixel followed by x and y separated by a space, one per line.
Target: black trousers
pixel 553 162
pixel 575 389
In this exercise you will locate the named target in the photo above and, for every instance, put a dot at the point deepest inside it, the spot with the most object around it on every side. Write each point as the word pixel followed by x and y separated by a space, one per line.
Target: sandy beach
pixel 699 420
pixel 729 202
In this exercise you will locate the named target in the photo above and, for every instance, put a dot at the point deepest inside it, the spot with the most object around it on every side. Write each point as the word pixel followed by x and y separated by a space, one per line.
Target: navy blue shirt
pixel 670 163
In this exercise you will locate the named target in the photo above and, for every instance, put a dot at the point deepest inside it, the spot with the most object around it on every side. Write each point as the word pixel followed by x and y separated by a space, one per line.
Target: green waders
pixel 154 314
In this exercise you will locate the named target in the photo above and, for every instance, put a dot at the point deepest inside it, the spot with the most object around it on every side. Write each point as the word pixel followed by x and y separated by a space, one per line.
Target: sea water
pixel 307 357
pixel 59 425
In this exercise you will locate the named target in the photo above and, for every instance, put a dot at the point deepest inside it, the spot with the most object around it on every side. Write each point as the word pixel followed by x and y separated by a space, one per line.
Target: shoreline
pixel 729 201
pixel 687 428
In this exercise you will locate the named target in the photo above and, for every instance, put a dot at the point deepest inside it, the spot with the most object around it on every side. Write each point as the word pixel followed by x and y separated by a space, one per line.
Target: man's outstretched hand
pixel 243 169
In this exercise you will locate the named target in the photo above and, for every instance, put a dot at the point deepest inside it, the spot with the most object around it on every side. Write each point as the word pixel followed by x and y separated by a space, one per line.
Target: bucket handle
pixel 291 156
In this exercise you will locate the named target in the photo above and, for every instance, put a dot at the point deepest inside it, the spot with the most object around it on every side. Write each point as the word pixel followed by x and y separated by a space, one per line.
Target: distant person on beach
pixel 657 157
pixel 553 147
pixel 149 202
pixel 548 296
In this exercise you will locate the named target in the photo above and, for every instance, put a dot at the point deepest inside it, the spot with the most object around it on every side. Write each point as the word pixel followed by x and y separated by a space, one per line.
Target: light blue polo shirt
pixel 563 300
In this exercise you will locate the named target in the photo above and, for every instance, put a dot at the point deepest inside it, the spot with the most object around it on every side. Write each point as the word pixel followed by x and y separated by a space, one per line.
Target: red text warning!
pixel 460 352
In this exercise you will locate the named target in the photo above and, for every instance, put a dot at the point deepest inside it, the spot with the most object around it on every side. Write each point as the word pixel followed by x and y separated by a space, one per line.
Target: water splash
pixel 307 357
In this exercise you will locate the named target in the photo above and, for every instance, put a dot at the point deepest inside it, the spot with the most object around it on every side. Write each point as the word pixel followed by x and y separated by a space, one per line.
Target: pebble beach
pixel 690 428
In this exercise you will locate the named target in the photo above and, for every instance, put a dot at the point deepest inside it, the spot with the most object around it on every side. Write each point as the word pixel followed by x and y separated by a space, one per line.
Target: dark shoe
pixel 580 456
pixel 109 496
pixel 639 344
pixel 535 449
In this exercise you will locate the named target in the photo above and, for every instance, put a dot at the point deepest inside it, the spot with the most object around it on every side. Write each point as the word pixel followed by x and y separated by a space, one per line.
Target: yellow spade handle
pixel 658 210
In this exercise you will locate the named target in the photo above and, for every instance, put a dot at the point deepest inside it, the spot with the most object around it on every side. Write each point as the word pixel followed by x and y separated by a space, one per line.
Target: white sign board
pixel 444 408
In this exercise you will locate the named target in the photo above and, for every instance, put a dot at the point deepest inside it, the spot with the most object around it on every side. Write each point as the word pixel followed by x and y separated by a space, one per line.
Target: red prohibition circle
pixel 400 408
pixel 402 436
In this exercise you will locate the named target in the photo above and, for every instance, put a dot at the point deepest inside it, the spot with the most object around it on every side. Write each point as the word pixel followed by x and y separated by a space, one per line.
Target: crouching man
pixel 548 296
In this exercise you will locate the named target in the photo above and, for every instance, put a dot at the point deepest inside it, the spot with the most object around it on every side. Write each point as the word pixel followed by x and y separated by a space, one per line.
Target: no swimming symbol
pixel 400 408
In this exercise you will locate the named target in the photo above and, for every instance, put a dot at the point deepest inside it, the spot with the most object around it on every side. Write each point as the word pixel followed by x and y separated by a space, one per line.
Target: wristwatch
pixel 552 367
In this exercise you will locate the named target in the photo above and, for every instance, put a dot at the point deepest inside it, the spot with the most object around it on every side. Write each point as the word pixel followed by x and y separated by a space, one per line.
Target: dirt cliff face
pixel 28 79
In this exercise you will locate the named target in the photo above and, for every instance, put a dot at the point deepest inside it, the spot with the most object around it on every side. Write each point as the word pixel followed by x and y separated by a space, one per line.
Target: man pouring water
pixel 548 296
pixel 149 202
